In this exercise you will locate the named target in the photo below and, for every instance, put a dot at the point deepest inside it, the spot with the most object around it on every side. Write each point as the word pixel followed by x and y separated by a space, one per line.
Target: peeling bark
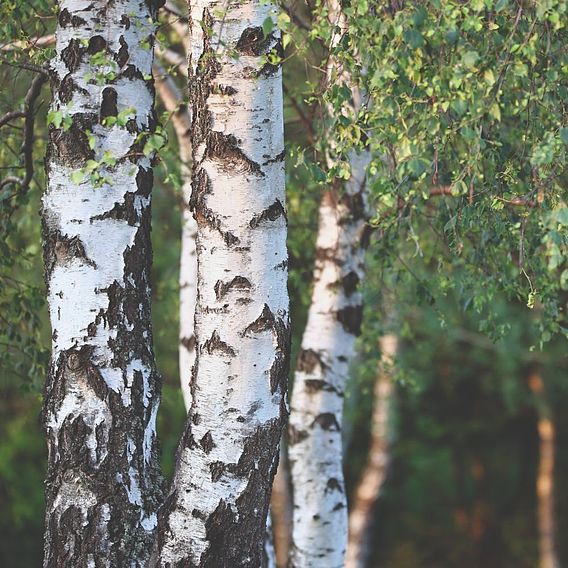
pixel 215 514
pixel 319 536
pixel 102 392
pixel 375 471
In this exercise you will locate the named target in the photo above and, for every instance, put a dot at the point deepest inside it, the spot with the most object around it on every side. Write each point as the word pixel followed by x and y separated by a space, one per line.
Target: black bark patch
pixel 215 344
pixel 254 42
pixel 122 211
pixel 122 55
pixel 309 360
pixel 71 147
pixel 109 103
pixel 278 158
pixel 296 436
pixel 67 88
pixel 351 318
pixel 65 18
pixel 225 90
pixel 333 484
pixel 188 342
pixel 237 283
pixel 271 213
pixel 132 72
pixel 327 421
pixel 217 469
pixel 73 54
pixel 96 43
pixel 144 181
pixel 350 282
pixel 280 367
pixel 224 149
pixel 65 249
pixel 125 21
pixel 264 322
pixel 316 385
pixel 207 442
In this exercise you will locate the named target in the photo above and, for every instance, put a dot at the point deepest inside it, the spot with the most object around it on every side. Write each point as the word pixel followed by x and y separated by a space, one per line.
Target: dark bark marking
pixel 333 484
pixel 71 147
pixel 309 360
pixel 125 21
pixel 224 149
pixel 109 103
pixel 351 318
pixel 271 213
pixel 350 282
pixel 73 54
pixel 237 283
pixel 65 18
pixel 207 442
pixel 188 342
pixel 296 436
pixel 264 322
pixel 316 385
pixel 122 55
pixel 215 344
pixel 226 90
pixel 327 421
pixel 278 158
pixel 253 42
pixel 96 43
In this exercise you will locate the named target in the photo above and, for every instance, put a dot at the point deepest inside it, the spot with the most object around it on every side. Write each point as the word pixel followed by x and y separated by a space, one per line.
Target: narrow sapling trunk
pixel 102 391
pixel 546 515
pixel 171 97
pixel 369 487
pixel 215 514
pixel 328 345
pixel 319 535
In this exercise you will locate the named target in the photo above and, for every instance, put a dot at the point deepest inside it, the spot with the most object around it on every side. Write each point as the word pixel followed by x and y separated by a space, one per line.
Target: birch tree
pixel 102 392
pixel 215 513
pixel 372 479
pixel 334 319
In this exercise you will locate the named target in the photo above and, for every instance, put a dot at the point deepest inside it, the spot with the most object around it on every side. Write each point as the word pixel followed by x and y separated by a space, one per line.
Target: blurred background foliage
pixel 467 96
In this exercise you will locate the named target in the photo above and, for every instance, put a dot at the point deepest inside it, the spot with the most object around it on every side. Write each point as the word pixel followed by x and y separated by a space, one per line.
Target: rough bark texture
pixel 102 391
pixel 172 99
pixel 369 487
pixel 545 476
pixel 215 514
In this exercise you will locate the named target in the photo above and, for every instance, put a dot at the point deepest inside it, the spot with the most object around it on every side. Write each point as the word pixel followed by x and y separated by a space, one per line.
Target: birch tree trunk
pixel 215 514
pixel 334 319
pixel 369 487
pixel 102 391
pixel 172 99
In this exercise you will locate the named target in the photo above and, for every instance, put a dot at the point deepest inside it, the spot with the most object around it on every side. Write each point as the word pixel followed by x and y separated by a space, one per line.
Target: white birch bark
pixel 102 391
pixel 215 514
pixel 374 474
pixel 172 99
pixel 319 535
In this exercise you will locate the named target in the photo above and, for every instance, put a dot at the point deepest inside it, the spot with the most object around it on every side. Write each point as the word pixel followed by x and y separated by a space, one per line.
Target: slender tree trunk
pixel 102 391
pixel 545 476
pixel 374 473
pixel 215 514
pixel 281 511
pixel 172 99
pixel 334 320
